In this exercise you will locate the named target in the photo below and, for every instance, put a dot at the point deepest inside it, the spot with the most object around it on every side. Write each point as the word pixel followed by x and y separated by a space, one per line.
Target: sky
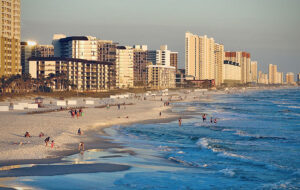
pixel 268 29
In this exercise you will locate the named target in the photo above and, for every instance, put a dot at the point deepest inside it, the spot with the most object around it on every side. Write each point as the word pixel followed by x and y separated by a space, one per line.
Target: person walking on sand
pixel 77 115
pixel 41 134
pixel 81 146
pixel 27 135
pixel 52 143
pixel 47 140
pixel 79 132
pixel 160 114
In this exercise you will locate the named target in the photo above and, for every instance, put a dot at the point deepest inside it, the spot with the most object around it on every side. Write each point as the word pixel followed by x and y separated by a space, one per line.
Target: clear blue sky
pixel 268 29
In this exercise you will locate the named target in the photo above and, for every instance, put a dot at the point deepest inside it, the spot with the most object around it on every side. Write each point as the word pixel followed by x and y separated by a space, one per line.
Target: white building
pixel 160 57
pixel 77 47
pixel 124 67
pixel 232 72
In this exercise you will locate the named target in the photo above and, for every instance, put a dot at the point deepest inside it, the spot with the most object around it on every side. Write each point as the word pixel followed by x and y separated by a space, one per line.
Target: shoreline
pixel 94 131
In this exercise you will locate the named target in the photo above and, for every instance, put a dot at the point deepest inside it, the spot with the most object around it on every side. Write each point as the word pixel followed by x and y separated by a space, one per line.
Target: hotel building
pixel 289 78
pixel 161 76
pixel 263 78
pixel 84 75
pixel 232 72
pixel 124 67
pixel 174 59
pixel 140 62
pixel 243 58
pixel 32 49
pixel 219 64
pixel 253 71
pixel 275 77
pixel 10 29
pixel 199 57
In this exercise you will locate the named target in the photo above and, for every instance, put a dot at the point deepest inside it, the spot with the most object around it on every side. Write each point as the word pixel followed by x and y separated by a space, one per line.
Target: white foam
pixel 228 172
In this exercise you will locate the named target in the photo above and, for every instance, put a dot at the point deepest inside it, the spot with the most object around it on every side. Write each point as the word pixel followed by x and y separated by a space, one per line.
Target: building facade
pixel 290 78
pixel 82 74
pixel 140 63
pixel 199 57
pixel 232 72
pixel 174 59
pixel 10 34
pixel 219 64
pixel 262 78
pixel 275 77
pixel 244 60
pixel 161 76
pixel 253 71
pixel 124 67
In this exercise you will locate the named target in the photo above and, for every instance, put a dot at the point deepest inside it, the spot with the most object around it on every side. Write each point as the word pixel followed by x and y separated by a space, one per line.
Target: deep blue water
pixel 254 145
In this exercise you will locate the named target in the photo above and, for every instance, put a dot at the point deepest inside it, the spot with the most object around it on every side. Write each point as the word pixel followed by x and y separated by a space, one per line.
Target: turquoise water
pixel 254 145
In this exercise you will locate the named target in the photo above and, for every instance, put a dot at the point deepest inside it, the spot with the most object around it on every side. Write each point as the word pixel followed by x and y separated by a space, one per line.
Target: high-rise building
pixel 290 78
pixel 243 58
pixel 273 74
pixel 174 59
pixel 219 64
pixel 124 67
pixel 140 62
pixel 44 51
pixel 232 72
pixel 161 76
pixel 199 57
pixel 107 53
pixel 298 78
pixel 160 57
pixel 10 29
pixel 262 78
pixel 254 71
pixel 77 47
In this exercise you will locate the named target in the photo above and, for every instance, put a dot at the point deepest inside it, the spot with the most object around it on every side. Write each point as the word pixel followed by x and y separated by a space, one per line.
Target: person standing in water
pixel 179 121
pixel 204 117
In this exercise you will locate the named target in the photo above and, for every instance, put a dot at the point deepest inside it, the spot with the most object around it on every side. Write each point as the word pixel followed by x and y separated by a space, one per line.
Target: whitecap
pixel 228 172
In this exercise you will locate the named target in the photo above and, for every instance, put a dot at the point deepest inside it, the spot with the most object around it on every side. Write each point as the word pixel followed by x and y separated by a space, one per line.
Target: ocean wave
pixel 296 107
pixel 186 163
pixel 256 137
pixel 165 148
pixel 227 172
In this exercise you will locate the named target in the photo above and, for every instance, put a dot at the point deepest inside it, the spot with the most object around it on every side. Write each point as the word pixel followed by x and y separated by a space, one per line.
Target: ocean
pixel 255 144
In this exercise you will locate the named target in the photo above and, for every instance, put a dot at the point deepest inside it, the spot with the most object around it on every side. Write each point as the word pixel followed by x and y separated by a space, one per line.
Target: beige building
pixel 10 29
pixel 124 67
pixel 232 72
pixel 199 57
pixel 254 71
pixel 275 77
pixel 290 78
pixel 219 64
pixel 262 78
pixel 83 75
pixel 244 59
pixel 161 76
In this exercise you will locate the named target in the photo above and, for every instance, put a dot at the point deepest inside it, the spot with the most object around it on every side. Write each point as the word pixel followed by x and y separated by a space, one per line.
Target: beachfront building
pixel 275 77
pixel 262 78
pixel 124 67
pixel 232 72
pixel 219 64
pixel 140 62
pixel 32 49
pixel 298 78
pixel 83 75
pixel 77 47
pixel 106 52
pixel 161 76
pixel 174 59
pixel 160 57
pixel 10 34
pixel 289 78
pixel 253 70
pixel 244 60
pixel 199 57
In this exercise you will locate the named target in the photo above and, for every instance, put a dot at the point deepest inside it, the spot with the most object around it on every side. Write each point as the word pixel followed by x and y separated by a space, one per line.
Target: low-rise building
pixel 161 76
pixel 83 75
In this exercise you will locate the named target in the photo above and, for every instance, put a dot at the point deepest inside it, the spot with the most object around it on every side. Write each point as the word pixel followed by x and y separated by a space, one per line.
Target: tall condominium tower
pixel 10 37
pixel 289 78
pixel 174 60
pixel 254 71
pixel 243 58
pixel 219 64
pixel 273 76
pixel 199 57
pixel 124 67
pixel 140 63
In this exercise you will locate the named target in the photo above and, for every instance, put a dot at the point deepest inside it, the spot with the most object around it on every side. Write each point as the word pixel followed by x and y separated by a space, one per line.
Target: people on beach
pixel 27 135
pixel 215 121
pixel 159 113
pixel 52 143
pixel 77 115
pixel 79 132
pixel 41 134
pixel 204 117
pixel 211 119
pixel 47 140
pixel 119 106
pixel 107 106
pixel 179 121
pixel 81 146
